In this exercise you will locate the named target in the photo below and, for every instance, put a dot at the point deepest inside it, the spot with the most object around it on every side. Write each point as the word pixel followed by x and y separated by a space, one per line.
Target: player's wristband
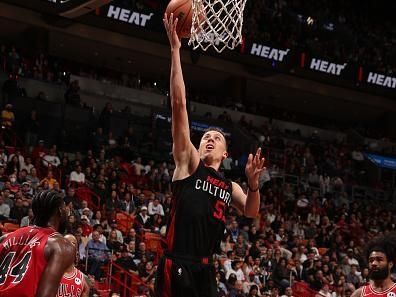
pixel 253 190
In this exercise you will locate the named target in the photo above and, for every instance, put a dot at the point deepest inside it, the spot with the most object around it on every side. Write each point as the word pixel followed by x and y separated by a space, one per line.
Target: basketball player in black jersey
pixel 201 197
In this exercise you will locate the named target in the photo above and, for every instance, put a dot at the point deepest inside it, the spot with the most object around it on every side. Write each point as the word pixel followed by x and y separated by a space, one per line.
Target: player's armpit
pixel 238 198
pixel 248 205
pixel 60 255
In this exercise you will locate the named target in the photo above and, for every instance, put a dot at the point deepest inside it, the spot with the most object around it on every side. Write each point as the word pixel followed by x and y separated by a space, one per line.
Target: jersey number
pixel 219 210
pixel 17 271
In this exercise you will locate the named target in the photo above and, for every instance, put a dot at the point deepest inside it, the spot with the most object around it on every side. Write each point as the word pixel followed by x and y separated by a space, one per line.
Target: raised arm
pixel 185 155
pixel 60 254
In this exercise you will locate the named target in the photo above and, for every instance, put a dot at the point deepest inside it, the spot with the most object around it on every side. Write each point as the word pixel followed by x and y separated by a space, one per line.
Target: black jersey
pixel 197 220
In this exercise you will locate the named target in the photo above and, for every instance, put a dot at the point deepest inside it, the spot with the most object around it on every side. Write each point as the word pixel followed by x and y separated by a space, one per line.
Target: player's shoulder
pixel 58 244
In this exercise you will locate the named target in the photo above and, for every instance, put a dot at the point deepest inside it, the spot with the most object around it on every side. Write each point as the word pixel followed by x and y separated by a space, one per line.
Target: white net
pixel 217 23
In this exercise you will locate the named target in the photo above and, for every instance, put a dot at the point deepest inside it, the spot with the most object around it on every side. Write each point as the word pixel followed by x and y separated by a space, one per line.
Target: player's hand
pixel 254 167
pixel 170 26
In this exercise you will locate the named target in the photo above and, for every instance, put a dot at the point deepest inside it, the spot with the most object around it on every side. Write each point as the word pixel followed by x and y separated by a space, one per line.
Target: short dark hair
pixel 45 204
pixel 217 130
pixel 385 244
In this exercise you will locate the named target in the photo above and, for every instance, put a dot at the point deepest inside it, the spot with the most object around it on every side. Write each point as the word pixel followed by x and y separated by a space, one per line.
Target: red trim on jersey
pixel 167 289
pixel 170 236
pixel 72 275
pixel 368 291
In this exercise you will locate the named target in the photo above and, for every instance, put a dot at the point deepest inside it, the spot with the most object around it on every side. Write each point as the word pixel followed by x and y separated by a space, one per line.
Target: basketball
pixel 181 9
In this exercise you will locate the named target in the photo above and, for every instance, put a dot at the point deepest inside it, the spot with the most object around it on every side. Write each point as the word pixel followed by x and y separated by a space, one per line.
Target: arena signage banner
pixel 327 67
pixel 382 161
pixel 381 80
pixel 150 17
pixel 268 52
pixel 129 16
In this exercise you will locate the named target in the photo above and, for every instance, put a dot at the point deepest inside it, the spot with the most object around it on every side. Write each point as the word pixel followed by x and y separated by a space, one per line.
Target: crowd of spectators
pixel 311 230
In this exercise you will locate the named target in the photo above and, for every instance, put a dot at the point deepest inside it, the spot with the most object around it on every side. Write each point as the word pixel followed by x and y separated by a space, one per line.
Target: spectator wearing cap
pixel 85 226
pixel 143 221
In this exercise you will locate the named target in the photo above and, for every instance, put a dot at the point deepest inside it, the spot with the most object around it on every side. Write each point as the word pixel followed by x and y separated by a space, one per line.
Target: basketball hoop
pixel 217 23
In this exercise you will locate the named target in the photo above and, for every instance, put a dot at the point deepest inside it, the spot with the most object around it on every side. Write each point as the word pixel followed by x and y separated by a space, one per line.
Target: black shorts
pixel 177 277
